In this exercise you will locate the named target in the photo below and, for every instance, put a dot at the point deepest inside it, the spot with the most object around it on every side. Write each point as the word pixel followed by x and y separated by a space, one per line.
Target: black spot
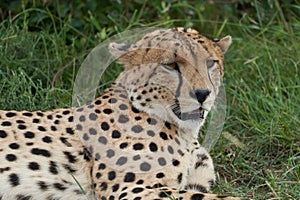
pixel 82 118
pixel 36 121
pixel 145 166
pixel 56 121
pixel 69 168
pixel 53 128
pixel 163 135
pixel 91 106
pixel 47 139
pixel 115 187
pixel 115 134
pixel 41 152
pixel 135 110
pixel 78 127
pixel 97 111
pixel 71 119
pixel 165 194
pixel 123 145
pixel 14 146
pixel 197 197
pixel 112 100
pixel 92 131
pixel 102 140
pixel 66 112
pixel 4 169
pixel 27 114
pixel 160 175
pixel 93 116
pixel 138 146
pixel 98 102
pixel 104 126
pixel 150 133
pixel 6 123
pixel 20 121
pixel 98 175
pixel 167 124
pixel 129 177
pixel 139 182
pixel 111 175
pixel 3 134
pixel 14 179
pixel 53 167
pixel 40 114
pixel 79 109
pixel 151 121
pixel 124 194
pixel 175 162
pixel 108 111
pixel 137 118
pixel 121 161
pixel 85 137
pixel 137 129
pixel 41 128
pixel 70 131
pixel 103 186
pixel 59 186
pixel 65 141
pixel 153 147
pixel 50 117
pixel 162 161
pixel 179 178
pixel 136 157
pixel 137 190
pixel 10 114
pixel 170 149
pixel 123 119
pixel 33 166
pixel 11 157
pixel 70 157
pixel 102 166
pixel 21 127
pixel 123 107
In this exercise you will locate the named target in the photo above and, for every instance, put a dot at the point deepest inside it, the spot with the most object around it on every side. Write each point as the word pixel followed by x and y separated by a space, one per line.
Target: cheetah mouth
pixel 197 114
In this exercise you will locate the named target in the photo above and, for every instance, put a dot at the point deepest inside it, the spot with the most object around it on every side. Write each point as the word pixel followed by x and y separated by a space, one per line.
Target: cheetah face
pixel 174 74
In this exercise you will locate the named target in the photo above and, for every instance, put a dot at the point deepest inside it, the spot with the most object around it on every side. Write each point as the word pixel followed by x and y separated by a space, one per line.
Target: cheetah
pixel 136 141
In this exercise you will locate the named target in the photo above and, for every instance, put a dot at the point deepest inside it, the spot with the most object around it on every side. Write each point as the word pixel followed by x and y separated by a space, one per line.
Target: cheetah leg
pixel 201 175
pixel 141 193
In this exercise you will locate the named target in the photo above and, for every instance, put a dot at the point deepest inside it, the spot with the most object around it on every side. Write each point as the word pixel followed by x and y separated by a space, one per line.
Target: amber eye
pixel 171 66
pixel 210 63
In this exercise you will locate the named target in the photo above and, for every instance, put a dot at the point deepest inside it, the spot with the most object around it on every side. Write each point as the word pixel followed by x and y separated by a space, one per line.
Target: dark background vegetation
pixel 43 43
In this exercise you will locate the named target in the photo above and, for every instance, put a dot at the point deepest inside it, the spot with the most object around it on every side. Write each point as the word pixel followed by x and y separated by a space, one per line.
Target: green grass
pixel 42 47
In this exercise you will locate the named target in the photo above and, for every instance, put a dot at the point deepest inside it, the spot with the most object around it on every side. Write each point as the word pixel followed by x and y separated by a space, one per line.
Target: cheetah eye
pixel 171 66
pixel 210 63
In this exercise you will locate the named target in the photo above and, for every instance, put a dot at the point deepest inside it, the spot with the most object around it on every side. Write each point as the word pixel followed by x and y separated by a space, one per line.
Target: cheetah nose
pixel 202 95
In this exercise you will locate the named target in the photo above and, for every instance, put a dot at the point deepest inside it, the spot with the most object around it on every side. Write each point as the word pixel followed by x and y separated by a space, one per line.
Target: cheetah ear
pixel 121 52
pixel 224 43
pixel 118 50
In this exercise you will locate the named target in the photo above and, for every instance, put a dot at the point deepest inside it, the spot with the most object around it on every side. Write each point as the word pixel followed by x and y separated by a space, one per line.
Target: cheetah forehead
pixel 153 46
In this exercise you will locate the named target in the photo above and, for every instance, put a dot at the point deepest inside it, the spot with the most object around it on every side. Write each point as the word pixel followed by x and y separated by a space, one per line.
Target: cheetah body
pixel 138 140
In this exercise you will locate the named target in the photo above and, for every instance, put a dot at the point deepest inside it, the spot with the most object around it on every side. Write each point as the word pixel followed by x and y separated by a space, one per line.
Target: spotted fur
pixel 138 140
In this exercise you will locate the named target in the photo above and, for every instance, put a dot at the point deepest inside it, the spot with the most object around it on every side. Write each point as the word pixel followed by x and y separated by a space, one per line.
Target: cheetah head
pixel 173 73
